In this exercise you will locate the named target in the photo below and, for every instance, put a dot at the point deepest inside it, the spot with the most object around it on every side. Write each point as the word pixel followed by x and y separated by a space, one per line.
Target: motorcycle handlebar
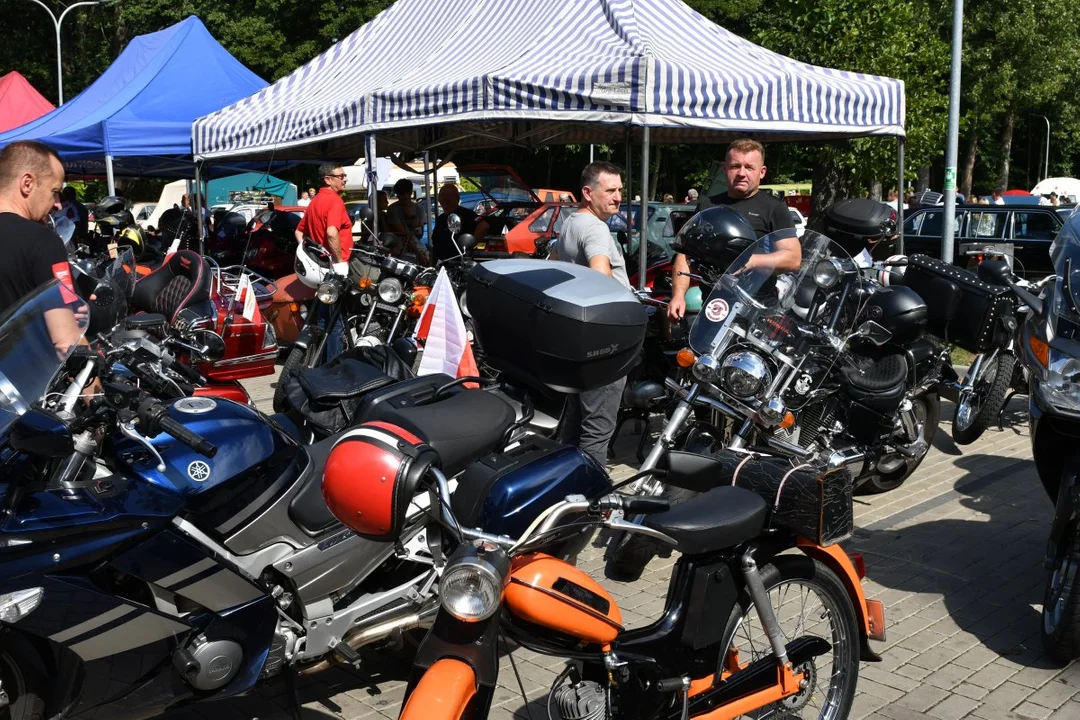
pixel 194 441
pixel 188 373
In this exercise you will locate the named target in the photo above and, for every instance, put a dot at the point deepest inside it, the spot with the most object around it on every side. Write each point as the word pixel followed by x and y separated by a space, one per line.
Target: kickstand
pixel 294 704
pixel 1004 405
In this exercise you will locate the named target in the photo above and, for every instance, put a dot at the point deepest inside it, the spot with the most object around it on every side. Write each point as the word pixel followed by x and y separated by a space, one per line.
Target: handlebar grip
pixel 188 373
pixel 196 442
pixel 645 505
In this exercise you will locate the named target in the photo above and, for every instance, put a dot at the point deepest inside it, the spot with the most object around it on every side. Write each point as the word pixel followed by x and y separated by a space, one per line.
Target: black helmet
pixel 858 223
pixel 716 235
pixel 901 310
pixel 109 205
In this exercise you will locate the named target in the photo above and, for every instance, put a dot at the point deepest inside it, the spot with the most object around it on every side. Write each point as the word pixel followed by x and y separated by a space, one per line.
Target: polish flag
pixel 246 295
pixel 442 330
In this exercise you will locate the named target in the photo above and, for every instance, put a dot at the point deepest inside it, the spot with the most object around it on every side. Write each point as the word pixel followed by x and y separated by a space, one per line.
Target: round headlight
pixel 744 374
pixel 707 369
pixel 328 293
pixel 470 590
pixel 390 290
pixel 827 273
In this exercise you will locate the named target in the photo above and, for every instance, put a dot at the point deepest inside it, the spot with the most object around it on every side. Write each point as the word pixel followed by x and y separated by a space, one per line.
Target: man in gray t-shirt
pixel 589 418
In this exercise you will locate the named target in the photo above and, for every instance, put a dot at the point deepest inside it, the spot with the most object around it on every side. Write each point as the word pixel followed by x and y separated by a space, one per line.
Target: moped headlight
pixel 328 293
pixel 827 273
pixel 390 290
pixel 744 374
pixel 470 590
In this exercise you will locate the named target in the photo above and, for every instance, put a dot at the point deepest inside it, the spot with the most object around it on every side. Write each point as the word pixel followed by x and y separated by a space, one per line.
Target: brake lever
pixel 129 431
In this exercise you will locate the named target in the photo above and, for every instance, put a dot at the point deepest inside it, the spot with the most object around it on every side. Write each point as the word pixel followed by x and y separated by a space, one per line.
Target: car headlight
pixel 744 374
pixel 827 273
pixel 707 369
pixel 471 590
pixel 390 290
pixel 328 293
pixel 1062 386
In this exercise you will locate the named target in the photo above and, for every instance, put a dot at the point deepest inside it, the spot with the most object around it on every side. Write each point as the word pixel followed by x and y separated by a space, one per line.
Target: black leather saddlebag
pixel 962 309
pixel 814 504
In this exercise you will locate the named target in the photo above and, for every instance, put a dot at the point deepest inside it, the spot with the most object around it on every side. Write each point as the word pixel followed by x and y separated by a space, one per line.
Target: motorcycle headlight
pixel 390 290
pixel 1062 386
pixel 827 273
pixel 471 590
pixel 707 369
pixel 744 374
pixel 328 293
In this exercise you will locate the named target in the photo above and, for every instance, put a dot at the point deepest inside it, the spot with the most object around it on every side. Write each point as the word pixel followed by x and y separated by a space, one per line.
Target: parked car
pixel 659 228
pixel 142 212
pixel 1028 228
pixel 799 219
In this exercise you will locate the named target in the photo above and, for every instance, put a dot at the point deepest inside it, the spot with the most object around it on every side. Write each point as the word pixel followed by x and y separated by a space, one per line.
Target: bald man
pixel 450 202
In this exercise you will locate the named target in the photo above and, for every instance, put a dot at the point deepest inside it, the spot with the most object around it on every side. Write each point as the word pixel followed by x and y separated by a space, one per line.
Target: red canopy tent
pixel 20 102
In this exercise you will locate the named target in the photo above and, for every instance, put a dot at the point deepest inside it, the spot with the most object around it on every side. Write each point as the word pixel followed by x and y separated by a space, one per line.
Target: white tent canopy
pixel 430 74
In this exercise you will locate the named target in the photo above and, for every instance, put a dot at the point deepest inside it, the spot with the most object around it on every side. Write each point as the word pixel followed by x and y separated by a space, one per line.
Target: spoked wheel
pixel 809 601
pixel 298 358
pixel 23 681
pixel 1061 601
pixel 893 470
pixel 979 408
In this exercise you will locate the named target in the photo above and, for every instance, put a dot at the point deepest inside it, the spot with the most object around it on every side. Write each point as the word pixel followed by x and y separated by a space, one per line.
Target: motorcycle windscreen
pixel 759 303
pixel 36 338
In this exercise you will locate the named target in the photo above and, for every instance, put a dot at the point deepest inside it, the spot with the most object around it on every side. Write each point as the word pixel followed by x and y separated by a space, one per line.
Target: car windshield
pixel 762 305
pixel 1065 254
pixel 498 186
pixel 36 337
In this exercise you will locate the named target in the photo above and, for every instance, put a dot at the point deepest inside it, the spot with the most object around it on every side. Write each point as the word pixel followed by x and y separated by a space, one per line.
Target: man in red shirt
pixel 326 221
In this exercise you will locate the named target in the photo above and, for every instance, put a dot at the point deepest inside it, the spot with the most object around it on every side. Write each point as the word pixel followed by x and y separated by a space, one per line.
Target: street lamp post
pixel 56 24
pixel 1046 167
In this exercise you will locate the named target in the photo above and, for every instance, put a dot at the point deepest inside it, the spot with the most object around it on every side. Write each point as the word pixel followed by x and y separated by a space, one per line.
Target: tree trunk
pixel 830 183
pixel 967 170
pixel 922 181
pixel 1006 148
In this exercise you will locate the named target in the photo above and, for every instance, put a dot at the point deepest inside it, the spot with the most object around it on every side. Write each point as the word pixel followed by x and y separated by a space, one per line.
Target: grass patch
pixel 961 356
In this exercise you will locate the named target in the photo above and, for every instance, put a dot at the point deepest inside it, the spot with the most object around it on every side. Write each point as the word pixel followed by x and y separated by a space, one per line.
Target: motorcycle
pixel 1049 346
pixel 745 628
pixel 159 554
pixel 815 364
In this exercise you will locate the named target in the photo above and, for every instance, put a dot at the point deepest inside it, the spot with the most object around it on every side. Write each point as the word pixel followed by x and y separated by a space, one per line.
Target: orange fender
pixel 443 693
pixel 870 614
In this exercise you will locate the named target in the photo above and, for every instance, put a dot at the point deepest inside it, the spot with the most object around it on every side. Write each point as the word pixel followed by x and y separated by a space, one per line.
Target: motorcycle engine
pixel 583 700
pixel 208 664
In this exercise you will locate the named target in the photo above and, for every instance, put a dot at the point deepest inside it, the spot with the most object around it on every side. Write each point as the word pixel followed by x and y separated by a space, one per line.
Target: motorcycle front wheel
pixel 979 409
pixel 298 358
pixel 1061 599
pixel 808 599
pixel 23 680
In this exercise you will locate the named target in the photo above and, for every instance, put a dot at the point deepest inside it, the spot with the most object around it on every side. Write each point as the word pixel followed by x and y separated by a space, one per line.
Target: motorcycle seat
pixel 182 281
pixel 876 374
pixel 144 321
pixel 308 508
pixel 461 428
pixel 719 519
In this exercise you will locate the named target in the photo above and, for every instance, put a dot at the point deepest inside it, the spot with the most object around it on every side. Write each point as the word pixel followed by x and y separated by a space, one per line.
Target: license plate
pixel 383 306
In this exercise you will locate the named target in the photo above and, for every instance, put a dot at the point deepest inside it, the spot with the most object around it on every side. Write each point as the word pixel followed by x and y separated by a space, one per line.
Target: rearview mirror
pixel 466 241
pixel 997 269
pixel 390 241
pixel 453 223
pixel 874 332
pixel 213 344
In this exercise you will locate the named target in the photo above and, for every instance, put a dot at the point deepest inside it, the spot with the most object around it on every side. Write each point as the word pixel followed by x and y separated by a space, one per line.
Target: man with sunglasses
pixel 326 221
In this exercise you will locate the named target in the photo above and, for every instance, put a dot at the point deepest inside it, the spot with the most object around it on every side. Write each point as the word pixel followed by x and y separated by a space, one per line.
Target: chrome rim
pixel 971 402
pixel 802 609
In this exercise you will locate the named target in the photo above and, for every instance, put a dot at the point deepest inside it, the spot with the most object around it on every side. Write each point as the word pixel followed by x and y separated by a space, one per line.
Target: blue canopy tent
pixel 136 118
pixel 217 190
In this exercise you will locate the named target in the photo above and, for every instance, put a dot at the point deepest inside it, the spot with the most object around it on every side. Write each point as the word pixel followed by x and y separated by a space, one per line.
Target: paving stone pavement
pixel 955 554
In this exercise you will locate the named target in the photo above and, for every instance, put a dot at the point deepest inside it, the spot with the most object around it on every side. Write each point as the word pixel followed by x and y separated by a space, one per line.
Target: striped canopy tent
pixel 429 74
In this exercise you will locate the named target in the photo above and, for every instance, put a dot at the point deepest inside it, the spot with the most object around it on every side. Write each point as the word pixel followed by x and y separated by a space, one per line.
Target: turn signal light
pixel 1041 350
pixel 364 283
pixel 685 358
pixel 859 563
pixel 788 422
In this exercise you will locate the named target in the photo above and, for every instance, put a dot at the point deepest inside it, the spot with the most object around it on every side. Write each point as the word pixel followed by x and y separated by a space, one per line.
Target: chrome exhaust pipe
pixel 851 458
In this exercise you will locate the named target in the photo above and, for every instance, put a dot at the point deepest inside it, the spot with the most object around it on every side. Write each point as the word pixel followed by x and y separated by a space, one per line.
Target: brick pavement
pixel 955 554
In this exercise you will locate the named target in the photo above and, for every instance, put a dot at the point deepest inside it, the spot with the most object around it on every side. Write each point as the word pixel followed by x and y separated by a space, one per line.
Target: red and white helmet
pixel 371 476
pixel 890 273
pixel 314 263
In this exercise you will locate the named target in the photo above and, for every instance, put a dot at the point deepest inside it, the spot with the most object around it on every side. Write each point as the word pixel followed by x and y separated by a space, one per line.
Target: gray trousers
pixel 589 419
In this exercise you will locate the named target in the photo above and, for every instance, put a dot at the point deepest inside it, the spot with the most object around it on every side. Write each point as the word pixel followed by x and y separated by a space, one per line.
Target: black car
pixel 1028 228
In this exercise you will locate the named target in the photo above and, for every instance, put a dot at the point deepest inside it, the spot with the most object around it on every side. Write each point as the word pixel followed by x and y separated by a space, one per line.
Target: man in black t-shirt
pixel 450 201
pixel 744 166
pixel 31 177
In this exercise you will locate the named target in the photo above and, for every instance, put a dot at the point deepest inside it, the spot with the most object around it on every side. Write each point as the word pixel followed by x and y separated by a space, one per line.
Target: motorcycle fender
pixel 868 613
pixel 308 336
pixel 443 692
pixel 1065 511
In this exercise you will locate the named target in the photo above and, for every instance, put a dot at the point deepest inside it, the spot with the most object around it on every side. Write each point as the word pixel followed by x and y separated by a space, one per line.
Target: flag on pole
pixel 245 293
pixel 441 327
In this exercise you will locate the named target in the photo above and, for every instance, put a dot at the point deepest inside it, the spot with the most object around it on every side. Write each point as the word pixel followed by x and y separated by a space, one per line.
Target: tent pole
pixel 628 196
pixel 900 193
pixel 372 180
pixel 428 210
pixel 109 179
pixel 643 215
pixel 198 205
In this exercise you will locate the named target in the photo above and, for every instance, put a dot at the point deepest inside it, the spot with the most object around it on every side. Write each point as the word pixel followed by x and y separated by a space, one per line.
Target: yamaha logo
pixel 198 471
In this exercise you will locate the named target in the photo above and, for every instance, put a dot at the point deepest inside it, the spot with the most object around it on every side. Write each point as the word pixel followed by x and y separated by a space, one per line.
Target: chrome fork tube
pixel 370 315
pixel 667 436
pixel 764 608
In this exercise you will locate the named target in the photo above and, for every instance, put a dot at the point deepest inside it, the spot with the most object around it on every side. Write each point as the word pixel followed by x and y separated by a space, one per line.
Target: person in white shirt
pixel 304 200
pixel 995 197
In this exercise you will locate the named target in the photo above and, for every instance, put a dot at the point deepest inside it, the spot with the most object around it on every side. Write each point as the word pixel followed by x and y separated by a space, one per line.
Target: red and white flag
pixel 442 329
pixel 246 295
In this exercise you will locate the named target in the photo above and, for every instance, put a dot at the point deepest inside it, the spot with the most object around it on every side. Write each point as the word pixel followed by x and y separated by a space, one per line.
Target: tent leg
pixel 372 180
pixel 109 178
pixel 900 193
pixel 643 216
pixel 198 206
pixel 428 210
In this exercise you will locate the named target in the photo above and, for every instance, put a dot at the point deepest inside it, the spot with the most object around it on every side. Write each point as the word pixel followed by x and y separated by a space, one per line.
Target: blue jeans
pixel 335 338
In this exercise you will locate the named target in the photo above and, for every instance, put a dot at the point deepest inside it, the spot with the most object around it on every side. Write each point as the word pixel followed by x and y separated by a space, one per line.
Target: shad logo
pixel 602 351
pixel 198 471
